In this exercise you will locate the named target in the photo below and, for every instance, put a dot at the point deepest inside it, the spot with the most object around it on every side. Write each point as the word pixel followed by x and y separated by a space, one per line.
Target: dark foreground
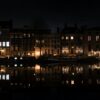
pixel 51 93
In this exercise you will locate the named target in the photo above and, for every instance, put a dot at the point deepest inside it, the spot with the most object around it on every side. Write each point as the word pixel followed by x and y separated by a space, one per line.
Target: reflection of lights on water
pixel 11 83
pixel 95 66
pixel 15 58
pixel 79 69
pixel 73 73
pixel 72 82
pixel 16 83
pixel 98 81
pixel 20 84
pixel 82 81
pixel 37 79
pixel 67 81
pixel 29 84
pixel 21 65
pixel 65 69
pixel 15 65
pixel 37 67
pixel 21 58
pixel 34 74
pixel 37 53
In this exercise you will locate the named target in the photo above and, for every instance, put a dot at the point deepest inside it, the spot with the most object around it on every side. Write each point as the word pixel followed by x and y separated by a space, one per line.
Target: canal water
pixel 50 81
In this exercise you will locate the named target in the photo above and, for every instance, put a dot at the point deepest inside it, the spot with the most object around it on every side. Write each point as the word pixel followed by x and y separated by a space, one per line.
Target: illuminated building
pixel 78 41
pixel 70 41
pixel 5 28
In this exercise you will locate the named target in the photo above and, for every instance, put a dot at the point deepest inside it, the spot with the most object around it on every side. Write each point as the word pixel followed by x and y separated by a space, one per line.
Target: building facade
pixel 76 41
pixel 70 41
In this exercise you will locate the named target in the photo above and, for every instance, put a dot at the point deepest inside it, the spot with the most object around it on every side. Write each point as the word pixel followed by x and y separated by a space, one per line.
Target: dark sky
pixel 54 12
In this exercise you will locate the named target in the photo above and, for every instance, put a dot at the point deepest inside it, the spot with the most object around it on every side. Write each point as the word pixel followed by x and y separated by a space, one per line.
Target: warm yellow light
pixel 2 70
pixel 37 53
pixel 2 50
pixel 55 54
pixel 37 68
pixel 29 54
pixel 72 46
pixel 33 54
pixel 65 50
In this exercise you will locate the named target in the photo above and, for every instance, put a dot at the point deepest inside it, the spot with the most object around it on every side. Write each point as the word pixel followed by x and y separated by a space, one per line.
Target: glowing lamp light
pixel 15 65
pixel 37 68
pixel 15 58
pixel 21 65
pixel 2 70
pixel 28 54
pixel 21 58
pixel 3 51
pixel 72 82
pixel 37 53
pixel 71 37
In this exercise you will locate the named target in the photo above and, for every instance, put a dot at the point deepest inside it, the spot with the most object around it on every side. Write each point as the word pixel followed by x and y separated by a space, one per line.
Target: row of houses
pixel 70 41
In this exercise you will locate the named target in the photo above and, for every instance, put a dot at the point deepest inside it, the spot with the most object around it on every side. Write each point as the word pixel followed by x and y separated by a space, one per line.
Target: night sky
pixel 54 12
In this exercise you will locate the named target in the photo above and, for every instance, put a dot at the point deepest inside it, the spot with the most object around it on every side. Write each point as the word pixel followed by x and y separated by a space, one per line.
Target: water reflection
pixel 50 75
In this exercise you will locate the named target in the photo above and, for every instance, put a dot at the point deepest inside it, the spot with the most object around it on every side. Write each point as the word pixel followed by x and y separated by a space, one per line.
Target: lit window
pixel 7 44
pixel 24 34
pixel 28 35
pixel 0 44
pixel 37 41
pixel 73 73
pixel 66 37
pixel 72 46
pixel 15 58
pixel 81 38
pixel 3 77
pixel 21 58
pixel 15 65
pixel 71 37
pixel 21 65
pixel 3 44
pixel 0 77
pixel 62 37
pixel 72 82
pixel 89 38
pixel 97 38
pixel 42 41
pixel 67 81
pixel 28 53
pixel 7 77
